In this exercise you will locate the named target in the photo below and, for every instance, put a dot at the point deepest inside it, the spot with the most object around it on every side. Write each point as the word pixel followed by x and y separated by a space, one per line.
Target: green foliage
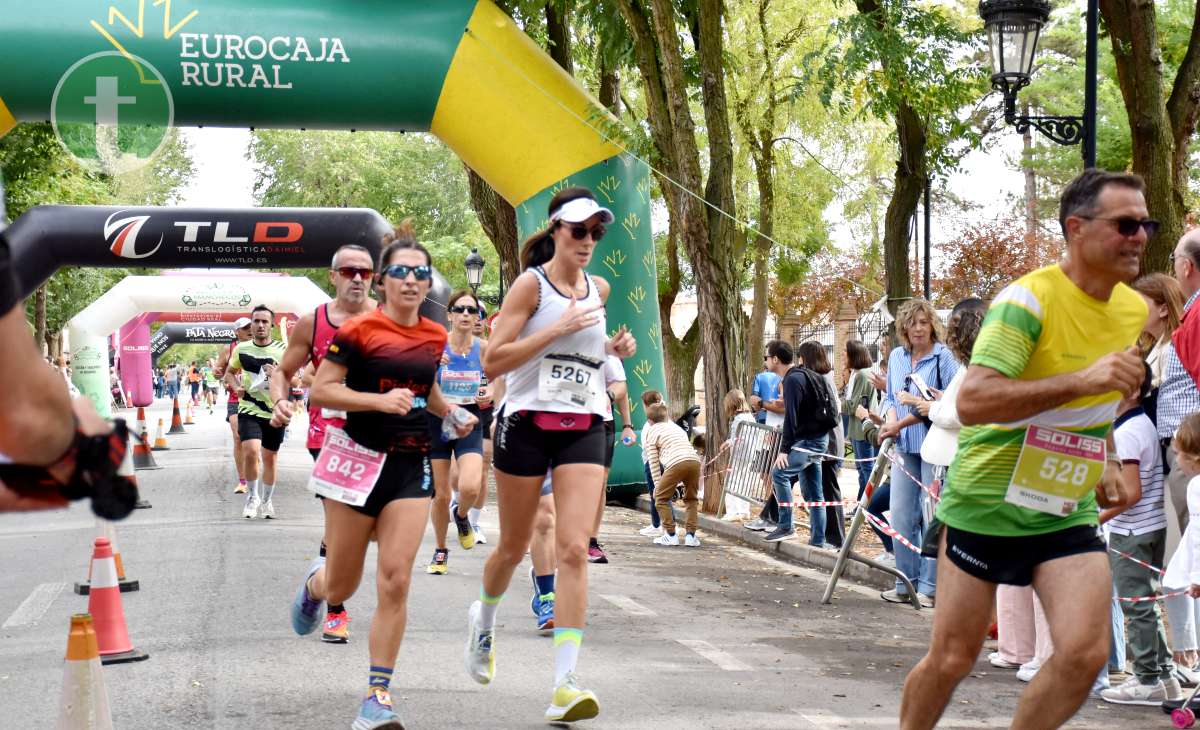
pixel 923 55
pixel 400 175
pixel 38 171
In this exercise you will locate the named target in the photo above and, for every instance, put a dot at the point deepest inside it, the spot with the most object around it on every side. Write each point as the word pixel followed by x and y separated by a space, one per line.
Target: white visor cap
pixel 241 322
pixel 579 210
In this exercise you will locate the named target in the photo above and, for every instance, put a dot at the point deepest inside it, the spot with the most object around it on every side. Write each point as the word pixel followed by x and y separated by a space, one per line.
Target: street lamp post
pixel 474 266
pixel 1013 28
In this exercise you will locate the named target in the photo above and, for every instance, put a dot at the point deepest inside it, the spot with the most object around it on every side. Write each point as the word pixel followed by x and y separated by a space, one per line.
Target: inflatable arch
pixel 461 69
pixel 88 330
pixel 180 333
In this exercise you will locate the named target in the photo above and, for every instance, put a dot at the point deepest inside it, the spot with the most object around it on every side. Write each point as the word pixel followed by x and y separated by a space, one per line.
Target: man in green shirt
pixel 249 374
pixel 1053 359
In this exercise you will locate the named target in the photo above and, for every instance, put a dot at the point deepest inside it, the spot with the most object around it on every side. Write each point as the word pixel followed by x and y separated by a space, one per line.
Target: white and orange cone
pixel 160 441
pixel 106 529
pixel 104 603
pixel 191 409
pixel 84 701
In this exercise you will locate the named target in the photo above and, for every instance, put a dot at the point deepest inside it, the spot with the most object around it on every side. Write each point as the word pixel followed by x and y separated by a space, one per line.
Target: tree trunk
pixel 706 236
pixel 1161 128
pixel 499 223
pixel 558 30
pixel 761 140
pixel 682 354
pixel 610 86
pixel 1031 218
pixel 39 315
pixel 909 182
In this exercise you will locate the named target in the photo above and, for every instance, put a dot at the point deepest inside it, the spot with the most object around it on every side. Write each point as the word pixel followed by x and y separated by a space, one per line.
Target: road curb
pixel 789 550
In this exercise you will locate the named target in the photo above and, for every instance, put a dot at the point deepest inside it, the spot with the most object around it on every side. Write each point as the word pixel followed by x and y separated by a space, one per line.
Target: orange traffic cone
pixel 176 422
pixel 104 603
pixel 106 529
pixel 160 441
pixel 142 458
pixel 84 700
pixel 191 408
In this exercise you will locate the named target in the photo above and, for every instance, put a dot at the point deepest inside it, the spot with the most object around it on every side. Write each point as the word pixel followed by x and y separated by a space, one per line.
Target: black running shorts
pixel 610 442
pixel 253 428
pixel 231 409
pixel 404 476
pixel 1011 560
pixel 523 449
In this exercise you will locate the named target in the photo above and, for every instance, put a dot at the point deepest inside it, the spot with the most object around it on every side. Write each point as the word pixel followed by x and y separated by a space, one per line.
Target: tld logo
pixel 265 232
pixel 124 233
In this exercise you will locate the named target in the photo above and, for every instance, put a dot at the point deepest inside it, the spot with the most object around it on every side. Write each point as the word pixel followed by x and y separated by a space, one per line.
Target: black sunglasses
pixel 464 309
pixel 579 232
pixel 1129 226
pixel 400 271
pixel 350 272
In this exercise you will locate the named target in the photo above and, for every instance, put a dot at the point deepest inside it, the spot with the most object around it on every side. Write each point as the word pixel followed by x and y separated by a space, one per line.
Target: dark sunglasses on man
pixel 464 309
pixel 1129 226
pixel 401 271
pixel 349 272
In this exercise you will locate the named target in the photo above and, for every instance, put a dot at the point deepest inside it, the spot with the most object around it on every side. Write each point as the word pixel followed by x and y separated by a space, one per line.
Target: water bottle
pixel 455 417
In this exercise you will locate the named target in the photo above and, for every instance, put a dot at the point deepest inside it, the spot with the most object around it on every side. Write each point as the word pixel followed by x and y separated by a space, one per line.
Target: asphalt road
pixel 717 637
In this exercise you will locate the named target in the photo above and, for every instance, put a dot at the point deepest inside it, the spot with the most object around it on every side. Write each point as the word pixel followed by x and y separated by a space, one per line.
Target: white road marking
pixel 35 606
pixel 722 659
pixel 628 605
pixel 821 576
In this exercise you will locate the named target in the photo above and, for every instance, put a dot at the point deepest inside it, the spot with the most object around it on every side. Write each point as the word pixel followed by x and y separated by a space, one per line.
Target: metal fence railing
pixel 749 459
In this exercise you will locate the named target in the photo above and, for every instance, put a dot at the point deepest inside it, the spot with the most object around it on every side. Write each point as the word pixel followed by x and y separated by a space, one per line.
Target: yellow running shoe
pixel 571 703
pixel 437 566
pixel 466 536
pixel 240 488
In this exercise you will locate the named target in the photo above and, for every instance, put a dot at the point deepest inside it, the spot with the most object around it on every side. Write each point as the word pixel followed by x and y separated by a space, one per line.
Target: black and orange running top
pixel 380 355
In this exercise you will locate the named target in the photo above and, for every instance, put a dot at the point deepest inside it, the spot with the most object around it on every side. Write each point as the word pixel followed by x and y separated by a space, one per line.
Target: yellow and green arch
pixel 460 69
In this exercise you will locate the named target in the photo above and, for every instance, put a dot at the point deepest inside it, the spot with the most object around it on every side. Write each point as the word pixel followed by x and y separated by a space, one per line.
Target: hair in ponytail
pixel 539 248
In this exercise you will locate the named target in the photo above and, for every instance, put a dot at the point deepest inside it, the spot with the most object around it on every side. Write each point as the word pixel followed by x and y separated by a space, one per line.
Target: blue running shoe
pixel 306 611
pixel 545 619
pixel 536 602
pixel 376 713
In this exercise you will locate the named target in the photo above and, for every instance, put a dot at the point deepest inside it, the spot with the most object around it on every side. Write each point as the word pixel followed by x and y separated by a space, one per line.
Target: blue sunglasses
pixel 401 271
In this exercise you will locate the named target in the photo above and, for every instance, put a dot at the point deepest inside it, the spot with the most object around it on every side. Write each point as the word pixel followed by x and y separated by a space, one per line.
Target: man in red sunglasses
pixel 350 272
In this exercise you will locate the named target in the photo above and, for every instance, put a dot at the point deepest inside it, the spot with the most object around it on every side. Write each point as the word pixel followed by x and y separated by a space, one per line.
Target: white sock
pixel 489 606
pixel 473 515
pixel 566 652
pixel 268 490
pixel 251 489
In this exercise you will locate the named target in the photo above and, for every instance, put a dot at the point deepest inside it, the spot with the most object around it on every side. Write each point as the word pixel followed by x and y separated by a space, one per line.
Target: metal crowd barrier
pixel 750 459
pixel 879 474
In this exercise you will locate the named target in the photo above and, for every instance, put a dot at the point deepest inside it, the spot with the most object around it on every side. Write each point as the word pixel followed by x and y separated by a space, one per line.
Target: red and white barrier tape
pixel 1143 599
pixel 888 530
pixel 1127 556
pixel 900 463
pixel 829 456
pixel 838 503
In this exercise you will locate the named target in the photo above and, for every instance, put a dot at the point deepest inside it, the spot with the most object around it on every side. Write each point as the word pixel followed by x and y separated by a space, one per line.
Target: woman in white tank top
pixel 550 345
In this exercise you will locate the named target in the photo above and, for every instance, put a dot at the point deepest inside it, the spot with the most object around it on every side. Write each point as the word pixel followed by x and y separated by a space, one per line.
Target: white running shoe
pixel 267 510
pixel 1133 692
pixel 691 540
pixel 1028 670
pixel 252 505
pixel 666 539
pixel 479 655
pixel 650 531
pixel 480 538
